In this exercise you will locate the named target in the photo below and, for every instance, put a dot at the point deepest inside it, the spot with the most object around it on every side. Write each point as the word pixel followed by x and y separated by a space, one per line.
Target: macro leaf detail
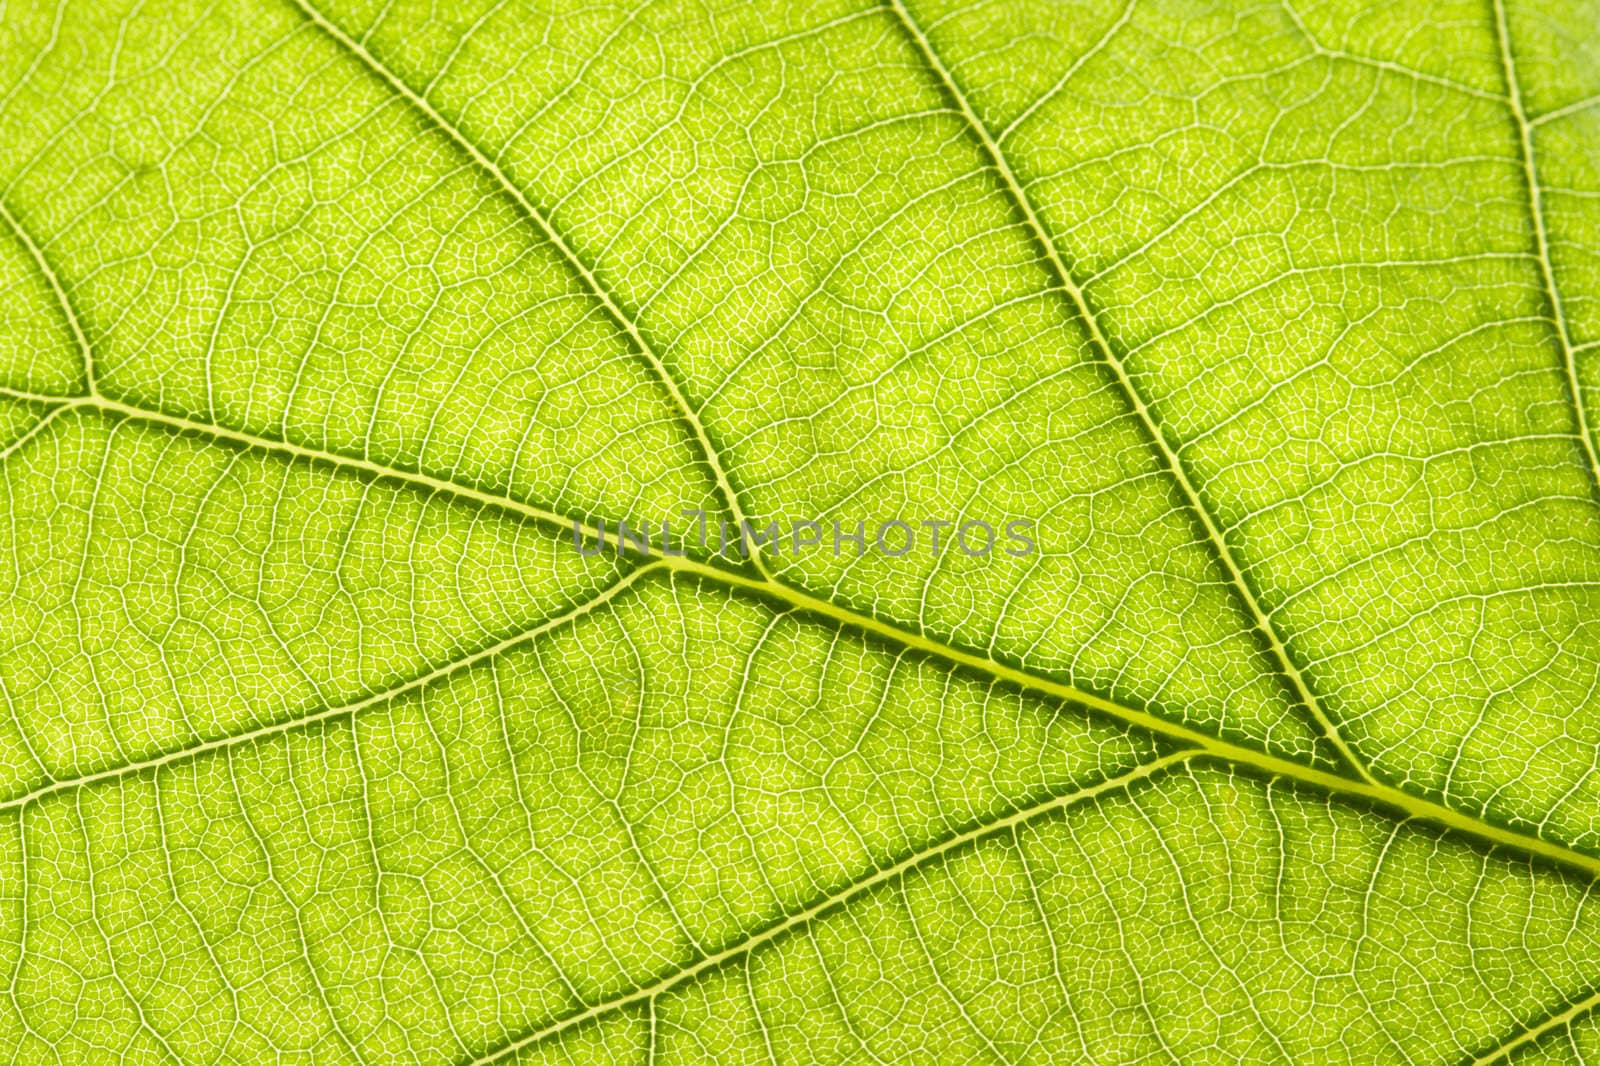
pixel 337 335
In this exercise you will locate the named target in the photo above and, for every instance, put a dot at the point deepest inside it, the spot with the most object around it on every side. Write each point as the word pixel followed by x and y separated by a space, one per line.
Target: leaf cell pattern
pixel 332 330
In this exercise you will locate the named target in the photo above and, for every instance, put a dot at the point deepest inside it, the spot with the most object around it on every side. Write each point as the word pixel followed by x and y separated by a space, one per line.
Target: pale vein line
pixel 54 282
pixel 317 455
pixel 1071 72
pixel 1541 241
pixel 1262 619
pixel 1387 66
pixel 33 431
pixel 802 918
pixel 774 591
pixel 24 396
pixel 598 291
pixel 330 713
pixel 1562 112
pixel 1388 796
pixel 1383 794
pixel 1530 1035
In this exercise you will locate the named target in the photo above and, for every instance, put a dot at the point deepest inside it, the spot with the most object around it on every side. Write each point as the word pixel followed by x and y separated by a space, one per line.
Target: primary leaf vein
pixel 784 596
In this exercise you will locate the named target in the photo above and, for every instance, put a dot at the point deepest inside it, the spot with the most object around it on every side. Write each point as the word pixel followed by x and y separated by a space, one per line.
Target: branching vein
pixel 1261 619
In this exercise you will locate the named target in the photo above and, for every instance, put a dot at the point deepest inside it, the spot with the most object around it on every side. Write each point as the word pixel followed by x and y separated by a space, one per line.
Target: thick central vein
pixel 773 590
pixel 1097 334
pixel 1193 743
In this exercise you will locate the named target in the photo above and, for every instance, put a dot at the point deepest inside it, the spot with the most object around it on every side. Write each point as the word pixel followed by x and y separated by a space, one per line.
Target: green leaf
pixel 332 334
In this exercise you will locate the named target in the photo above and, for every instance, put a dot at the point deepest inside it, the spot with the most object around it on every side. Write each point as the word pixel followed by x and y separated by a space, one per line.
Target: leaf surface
pixel 326 325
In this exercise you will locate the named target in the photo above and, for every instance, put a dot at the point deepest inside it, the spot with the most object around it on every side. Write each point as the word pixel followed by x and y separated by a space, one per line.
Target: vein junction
pixel 608 597
pixel 775 590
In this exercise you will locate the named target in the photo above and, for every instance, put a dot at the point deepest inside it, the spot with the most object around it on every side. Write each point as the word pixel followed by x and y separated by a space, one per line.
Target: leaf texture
pixel 334 334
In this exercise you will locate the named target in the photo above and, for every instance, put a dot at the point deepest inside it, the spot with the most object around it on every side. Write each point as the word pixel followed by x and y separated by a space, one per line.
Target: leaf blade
pixel 840 309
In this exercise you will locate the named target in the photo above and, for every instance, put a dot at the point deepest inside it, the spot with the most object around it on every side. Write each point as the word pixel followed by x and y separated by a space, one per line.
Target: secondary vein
pixel 1261 619
pixel 1541 241
pixel 832 900
pixel 345 710
pixel 773 590
pixel 43 264
pixel 1505 1051
pixel 623 321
